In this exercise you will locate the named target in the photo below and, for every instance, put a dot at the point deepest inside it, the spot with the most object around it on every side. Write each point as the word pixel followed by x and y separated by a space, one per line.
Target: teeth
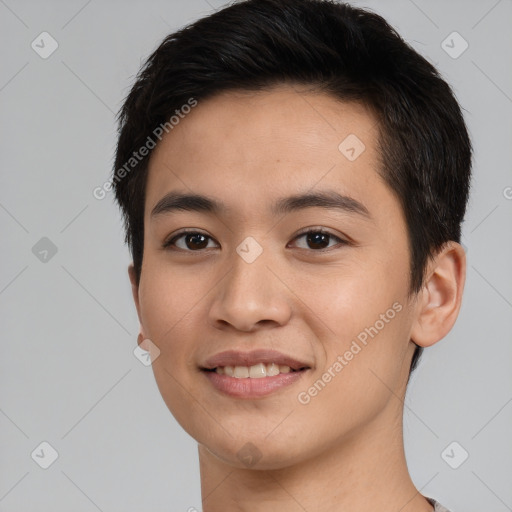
pixel 272 369
pixel 257 371
pixel 241 372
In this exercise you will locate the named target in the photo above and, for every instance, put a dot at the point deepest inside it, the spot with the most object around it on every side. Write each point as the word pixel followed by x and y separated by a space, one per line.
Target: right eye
pixel 190 241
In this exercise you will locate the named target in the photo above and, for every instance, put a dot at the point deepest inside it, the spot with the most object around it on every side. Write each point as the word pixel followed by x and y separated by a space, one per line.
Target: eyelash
pixel 170 242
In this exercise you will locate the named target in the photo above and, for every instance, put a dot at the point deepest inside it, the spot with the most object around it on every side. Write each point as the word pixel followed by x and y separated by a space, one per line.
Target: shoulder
pixel 437 506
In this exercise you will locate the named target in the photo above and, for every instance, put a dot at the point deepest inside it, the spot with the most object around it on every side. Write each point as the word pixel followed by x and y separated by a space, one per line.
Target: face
pixel 323 280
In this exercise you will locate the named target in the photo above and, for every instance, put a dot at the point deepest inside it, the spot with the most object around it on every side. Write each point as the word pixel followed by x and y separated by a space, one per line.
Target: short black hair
pixel 352 54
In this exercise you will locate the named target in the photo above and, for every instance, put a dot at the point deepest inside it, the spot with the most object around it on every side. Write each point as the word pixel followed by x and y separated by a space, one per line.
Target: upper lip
pixel 238 358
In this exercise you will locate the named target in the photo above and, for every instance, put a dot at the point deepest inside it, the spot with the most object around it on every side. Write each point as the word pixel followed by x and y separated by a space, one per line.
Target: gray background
pixel 68 373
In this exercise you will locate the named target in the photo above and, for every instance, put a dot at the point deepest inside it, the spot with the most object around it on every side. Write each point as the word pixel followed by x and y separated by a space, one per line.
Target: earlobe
pixel 441 296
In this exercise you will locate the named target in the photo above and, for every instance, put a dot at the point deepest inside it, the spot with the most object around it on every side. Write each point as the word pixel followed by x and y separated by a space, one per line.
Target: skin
pixel 344 449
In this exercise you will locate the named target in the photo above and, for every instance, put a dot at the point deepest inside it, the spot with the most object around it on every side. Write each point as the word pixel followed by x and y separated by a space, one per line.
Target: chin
pixel 258 453
pixel 250 457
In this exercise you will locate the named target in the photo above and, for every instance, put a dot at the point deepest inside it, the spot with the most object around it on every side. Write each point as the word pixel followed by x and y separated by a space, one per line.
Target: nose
pixel 250 296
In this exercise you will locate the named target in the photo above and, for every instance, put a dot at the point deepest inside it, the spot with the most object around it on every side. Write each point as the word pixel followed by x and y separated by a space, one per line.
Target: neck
pixel 366 471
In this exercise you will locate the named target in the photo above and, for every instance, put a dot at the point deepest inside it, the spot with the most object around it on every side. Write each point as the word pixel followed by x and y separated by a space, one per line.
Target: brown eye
pixel 188 241
pixel 318 239
pixel 196 241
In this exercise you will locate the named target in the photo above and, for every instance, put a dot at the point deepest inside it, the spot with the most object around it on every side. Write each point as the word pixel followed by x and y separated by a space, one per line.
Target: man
pixel 293 177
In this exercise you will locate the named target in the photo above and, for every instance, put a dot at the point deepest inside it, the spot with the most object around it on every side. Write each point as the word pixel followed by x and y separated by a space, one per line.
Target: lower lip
pixel 252 388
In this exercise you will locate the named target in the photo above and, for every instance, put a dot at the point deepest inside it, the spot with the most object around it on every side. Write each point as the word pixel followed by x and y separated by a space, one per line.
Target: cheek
pixel 349 298
pixel 171 316
pixel 169 310
pixel 365 368
pixel 364 307
pixel 166 297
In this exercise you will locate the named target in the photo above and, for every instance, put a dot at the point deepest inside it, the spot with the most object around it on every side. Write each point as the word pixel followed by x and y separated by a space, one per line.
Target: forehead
pixel 252 147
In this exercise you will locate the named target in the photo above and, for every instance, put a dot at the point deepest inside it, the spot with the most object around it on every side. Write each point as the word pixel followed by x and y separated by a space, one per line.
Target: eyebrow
pixel 330 200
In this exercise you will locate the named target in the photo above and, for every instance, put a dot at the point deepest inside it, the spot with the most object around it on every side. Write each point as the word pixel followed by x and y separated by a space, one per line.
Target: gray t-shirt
pixel 437 506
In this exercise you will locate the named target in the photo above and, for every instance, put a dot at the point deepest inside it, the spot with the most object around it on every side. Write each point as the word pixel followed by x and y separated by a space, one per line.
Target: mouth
pixel 257 371
pixel 251 375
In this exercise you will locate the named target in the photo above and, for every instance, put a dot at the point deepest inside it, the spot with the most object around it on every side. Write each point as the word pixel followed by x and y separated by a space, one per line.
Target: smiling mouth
pixel 257 371
pixel 253 382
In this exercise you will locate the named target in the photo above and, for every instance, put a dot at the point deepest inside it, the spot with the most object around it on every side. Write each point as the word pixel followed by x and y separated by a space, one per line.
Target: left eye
pixel 194 241
pixel 318 239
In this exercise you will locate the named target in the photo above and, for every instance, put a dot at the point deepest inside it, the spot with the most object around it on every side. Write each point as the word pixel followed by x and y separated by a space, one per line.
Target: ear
pixel 440 299
pixel 135 293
